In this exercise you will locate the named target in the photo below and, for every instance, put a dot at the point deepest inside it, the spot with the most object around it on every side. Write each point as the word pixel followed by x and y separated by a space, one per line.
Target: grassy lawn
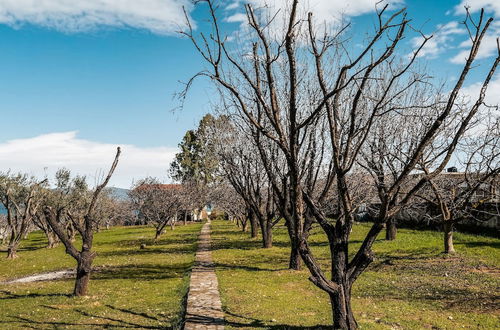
pixel 411 285
pixel 131 288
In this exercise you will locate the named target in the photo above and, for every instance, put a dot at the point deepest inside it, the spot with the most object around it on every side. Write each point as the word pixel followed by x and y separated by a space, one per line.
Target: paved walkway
pixel 204 309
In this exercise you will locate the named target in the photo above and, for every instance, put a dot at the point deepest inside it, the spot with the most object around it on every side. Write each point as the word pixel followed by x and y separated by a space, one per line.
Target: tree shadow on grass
pixel 256 323
pixel 128 311
pixel 10 295
pixel 119 323
pixel 218 244
pixel 495 245
pixel 142 271
pixel 26 248
pixel 108 321
pixel 187 248
pixel 222 266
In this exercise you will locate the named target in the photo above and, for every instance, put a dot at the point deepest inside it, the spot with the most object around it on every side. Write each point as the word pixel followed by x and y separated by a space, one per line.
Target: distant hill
pixel 119 193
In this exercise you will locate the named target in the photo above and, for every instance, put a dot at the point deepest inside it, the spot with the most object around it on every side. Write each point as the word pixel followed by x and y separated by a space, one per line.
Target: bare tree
pixel 286 95
pixel 226 199
pixel 471 195
pixel 20 194
pixel 41 223
pixel 158 203
pixel 242 167
pixel 54 216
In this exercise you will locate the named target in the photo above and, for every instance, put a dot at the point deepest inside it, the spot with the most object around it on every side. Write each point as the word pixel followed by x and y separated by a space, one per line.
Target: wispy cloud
pixel 488 46
pixel 477 5
pixel 157 16
pixel 492 97
pixel 328 10
pixel 45 154
pixel 326 13
pixel 441 40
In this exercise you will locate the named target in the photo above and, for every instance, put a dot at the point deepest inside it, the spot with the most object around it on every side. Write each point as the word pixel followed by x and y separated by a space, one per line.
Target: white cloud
pixel 237 18
pixel 440 41
pixel 157 16
pixel 328 10
pixel 476 5
pixel 492 96
pixel 326 13
pixel 487 115
pixel 488 46
pixel 45 154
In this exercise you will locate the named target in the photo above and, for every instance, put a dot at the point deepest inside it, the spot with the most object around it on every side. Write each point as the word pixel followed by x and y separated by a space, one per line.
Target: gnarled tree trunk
pixel 267 234
pixel 295 260
pixel 343 317
pixel 83 271
pixel 12 252
pixel 254 224
pixel 448 237
pixel 52 239
pixel 391 230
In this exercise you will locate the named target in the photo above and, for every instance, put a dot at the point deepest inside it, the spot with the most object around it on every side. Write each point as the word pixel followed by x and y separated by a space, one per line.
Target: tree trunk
pixel 52 239
pixel 157 234
pixel 448 237
pixel 254 224
pixel 391 230
pixel 343 318
pixel 83 274
pixel 295 261
pixel 267 234
pixel 12 252
pixel 71 232
pixel 185 217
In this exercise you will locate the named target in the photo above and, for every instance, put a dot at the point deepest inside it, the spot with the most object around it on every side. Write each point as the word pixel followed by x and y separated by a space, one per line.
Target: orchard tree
pixel 21 196
pixel 294 86
pixel 230 202
pixel 159 204
pixel 242 167
pixel 71 205
pixel 474 194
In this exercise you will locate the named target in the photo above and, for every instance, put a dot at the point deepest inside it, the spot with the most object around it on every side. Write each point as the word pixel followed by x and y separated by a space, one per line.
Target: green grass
pixel 411 285
pixel 131 287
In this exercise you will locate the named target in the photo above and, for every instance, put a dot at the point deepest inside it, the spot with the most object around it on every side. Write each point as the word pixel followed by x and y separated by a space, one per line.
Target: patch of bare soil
pixel 43 277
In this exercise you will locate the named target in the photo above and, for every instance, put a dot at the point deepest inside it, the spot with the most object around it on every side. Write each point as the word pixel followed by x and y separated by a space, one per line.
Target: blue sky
pixel 78 80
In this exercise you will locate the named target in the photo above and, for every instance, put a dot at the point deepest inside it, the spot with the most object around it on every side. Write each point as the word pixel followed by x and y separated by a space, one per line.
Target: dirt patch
pixel 43 277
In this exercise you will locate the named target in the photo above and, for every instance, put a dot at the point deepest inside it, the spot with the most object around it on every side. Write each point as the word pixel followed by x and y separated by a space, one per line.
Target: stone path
pixel 204 308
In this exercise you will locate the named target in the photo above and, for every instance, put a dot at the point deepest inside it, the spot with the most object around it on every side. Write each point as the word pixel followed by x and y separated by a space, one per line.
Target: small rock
pixel 363 315
pixel 273 320
pixel 450 317
pixel 143 246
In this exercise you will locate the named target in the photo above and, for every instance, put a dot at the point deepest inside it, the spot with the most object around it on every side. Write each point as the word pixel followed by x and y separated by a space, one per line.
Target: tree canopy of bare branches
pixel 339 116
